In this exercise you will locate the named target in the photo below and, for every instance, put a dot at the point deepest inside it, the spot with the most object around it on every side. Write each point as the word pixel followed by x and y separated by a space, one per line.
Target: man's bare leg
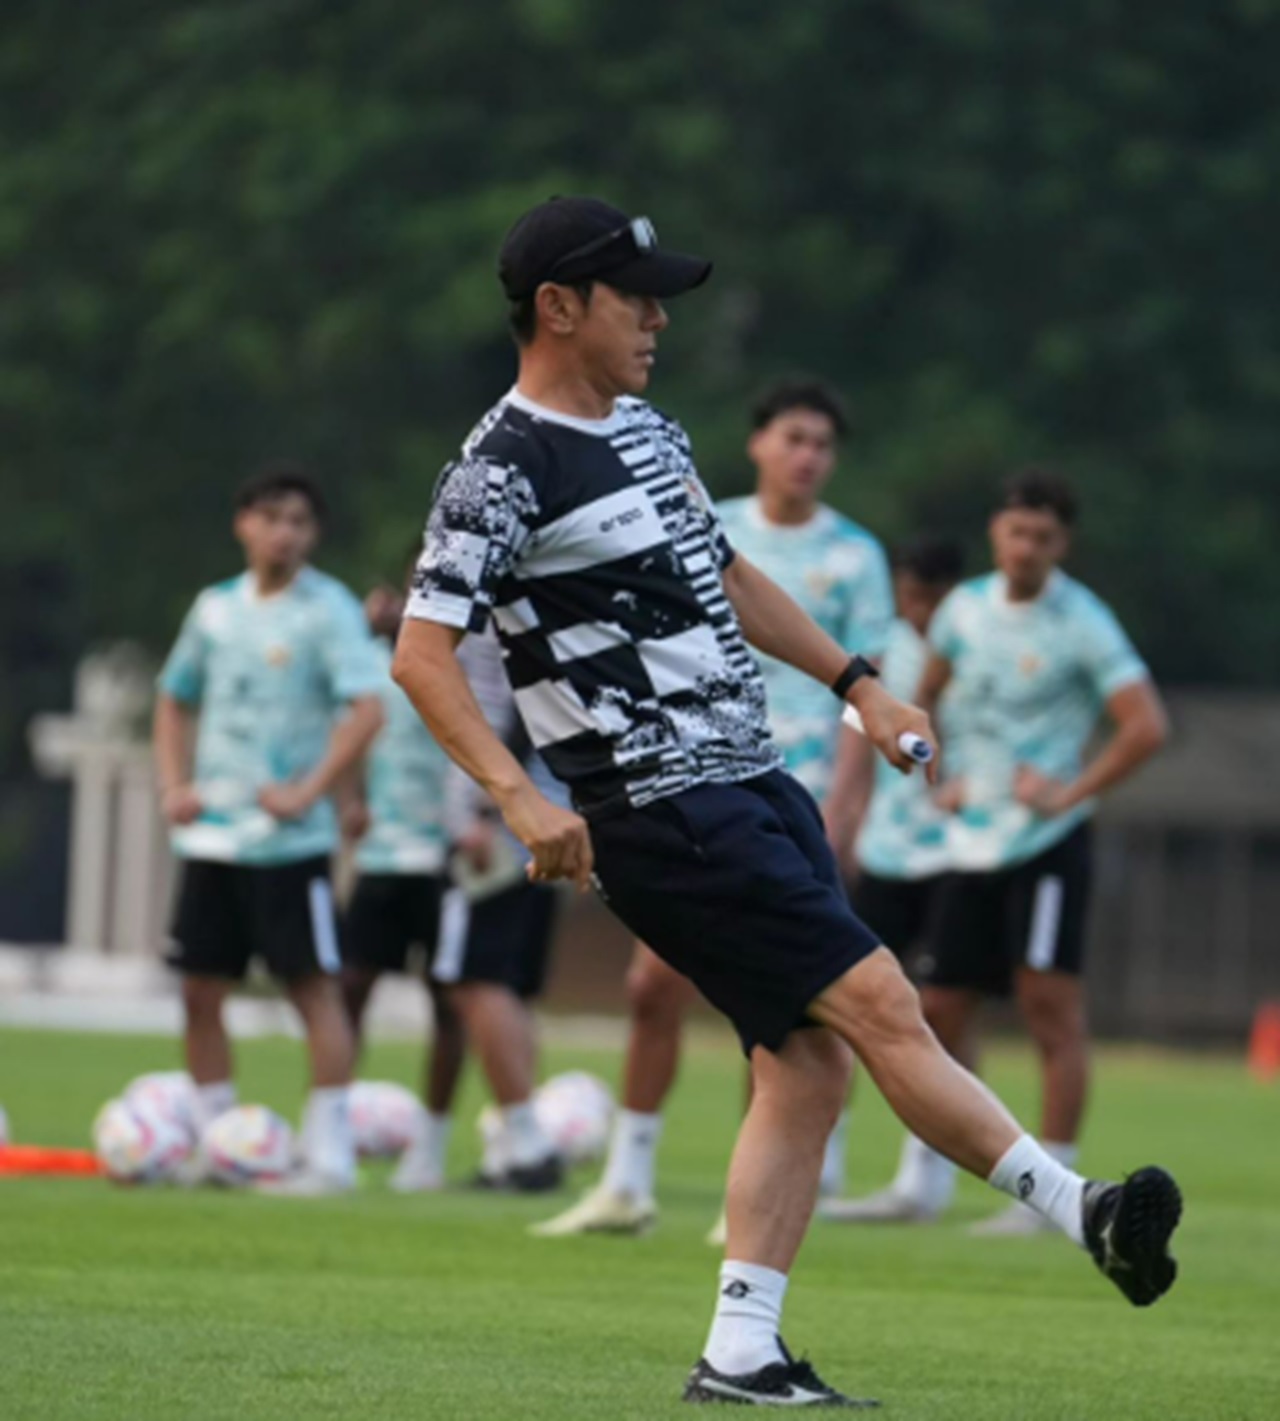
pixel 876 1010
pixel 773 1186
pixel 658 998
pixel 924 1184
pixel 327 1140
pixel 422 1166
pixel 447 1056
pixel 206 1044
pixel 500 1028
pixel 1052 1005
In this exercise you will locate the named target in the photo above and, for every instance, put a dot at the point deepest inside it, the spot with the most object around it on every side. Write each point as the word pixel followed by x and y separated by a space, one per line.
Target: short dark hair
pixel 799 392
pixel 522 315
pixel 275 480
pixel 1041 489
pixel 931 557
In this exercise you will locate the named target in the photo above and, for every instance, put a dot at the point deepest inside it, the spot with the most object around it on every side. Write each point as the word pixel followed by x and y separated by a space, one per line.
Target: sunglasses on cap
pixel 637 238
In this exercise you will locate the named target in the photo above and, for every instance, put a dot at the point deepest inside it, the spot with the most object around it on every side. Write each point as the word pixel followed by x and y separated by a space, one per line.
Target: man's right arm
pixel 427 670
pixel 172 740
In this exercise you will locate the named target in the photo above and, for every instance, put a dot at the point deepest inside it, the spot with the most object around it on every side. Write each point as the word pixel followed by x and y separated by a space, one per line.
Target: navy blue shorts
pixel 735 886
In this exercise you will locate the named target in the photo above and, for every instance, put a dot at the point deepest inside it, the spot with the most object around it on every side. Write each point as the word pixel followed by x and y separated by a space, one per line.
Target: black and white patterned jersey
pixel 596 551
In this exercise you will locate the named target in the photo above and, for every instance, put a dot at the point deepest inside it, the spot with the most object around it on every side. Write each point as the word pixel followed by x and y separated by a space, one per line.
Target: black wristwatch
pixel 857 668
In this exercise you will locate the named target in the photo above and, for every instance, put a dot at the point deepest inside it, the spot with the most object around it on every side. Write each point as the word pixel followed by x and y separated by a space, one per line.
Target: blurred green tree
pixel 235 229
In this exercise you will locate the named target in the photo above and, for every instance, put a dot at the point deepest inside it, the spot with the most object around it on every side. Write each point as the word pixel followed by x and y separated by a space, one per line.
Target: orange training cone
pixel 1264 1042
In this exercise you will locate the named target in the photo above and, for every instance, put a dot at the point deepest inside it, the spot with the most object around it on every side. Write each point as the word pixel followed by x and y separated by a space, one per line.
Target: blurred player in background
pixel 274 685
pixel 1024 664
pixel 902 845
pixel 486 936
pixel 395 812
pixel 838 573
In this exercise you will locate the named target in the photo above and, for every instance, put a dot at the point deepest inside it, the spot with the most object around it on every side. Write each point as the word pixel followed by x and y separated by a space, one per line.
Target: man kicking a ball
pixel 576 520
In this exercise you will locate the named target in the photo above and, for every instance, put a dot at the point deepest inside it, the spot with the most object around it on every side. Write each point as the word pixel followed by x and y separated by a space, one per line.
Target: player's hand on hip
pixel 180 804
pixel 887 720
pixel 1042 794
pixel 290 800
pixel 558 839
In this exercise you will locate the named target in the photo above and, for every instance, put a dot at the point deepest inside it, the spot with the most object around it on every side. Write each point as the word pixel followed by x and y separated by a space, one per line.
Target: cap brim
pixel 659 273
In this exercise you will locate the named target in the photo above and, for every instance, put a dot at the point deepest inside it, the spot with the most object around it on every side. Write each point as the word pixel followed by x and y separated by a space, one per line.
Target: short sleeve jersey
pixel 839 574
pixel 406 773
pixel 595 549
pixel 1028 686
pixel 268 677
pixel 904 835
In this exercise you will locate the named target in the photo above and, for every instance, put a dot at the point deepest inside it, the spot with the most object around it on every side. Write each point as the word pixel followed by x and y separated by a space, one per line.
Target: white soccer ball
pixel 4 1127
pixel 384 1118
pixel 137 1144
pixel 170 1093
pixel 248 1144
pixel 575 1110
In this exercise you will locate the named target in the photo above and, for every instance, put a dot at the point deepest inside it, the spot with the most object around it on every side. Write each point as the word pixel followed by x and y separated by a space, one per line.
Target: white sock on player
pixel 524 1142
pixel 633 1154
pixel 214 1099
pixel 831 1184
pixel 744 1331
pixel 1029 1173
pixel 327 1141
pixel 430 1145
pixel 924 1176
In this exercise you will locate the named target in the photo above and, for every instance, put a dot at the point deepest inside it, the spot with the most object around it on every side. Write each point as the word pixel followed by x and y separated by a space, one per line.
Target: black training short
pixel 735 886
pixel 1031 915
pixel 228 913
pixel 505 938
pixel 388 916
pixel 898 910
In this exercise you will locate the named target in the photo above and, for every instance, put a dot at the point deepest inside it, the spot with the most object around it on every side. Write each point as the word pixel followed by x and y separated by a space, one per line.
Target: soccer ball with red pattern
pixel 248 1145
pixel 384 1118
pixel 137 1144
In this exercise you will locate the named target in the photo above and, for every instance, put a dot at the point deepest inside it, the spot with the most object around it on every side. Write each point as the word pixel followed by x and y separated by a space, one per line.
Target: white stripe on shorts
pixel 455 924
pixel 1046 920
pixel 324 927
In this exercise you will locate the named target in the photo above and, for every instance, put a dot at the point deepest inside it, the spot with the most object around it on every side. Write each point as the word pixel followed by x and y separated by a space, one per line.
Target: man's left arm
pixel 1139 728
pixel 355 679
pixel 351 737
pixel 777 625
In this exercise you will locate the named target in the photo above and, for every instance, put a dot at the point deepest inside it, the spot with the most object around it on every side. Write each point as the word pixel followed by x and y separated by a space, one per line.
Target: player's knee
pixel 1055 1018
pixel 655 996
pixel 887 1006
pixel 202 1002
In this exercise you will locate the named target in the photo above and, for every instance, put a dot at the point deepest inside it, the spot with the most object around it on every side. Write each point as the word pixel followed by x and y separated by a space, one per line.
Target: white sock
pixel 831 1185
pixel 430 1145
pixel 924 1176
pixel 524 1140
pixel 633 1154
pixel 214 1100
pixel 744 1331
pixel 1030 1174
pixel 328 1144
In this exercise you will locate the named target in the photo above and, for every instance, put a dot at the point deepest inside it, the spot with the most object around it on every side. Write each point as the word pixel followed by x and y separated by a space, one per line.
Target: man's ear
pixel 559 308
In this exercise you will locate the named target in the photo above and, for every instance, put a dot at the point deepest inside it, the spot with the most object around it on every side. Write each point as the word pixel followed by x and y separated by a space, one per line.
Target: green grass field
pixel 139 1304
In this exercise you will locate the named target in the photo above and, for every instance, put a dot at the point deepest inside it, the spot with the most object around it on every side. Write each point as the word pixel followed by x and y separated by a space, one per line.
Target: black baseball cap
pixel 572 239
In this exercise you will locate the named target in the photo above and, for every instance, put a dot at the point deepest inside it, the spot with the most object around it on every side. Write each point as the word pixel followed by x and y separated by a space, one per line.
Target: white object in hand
pixel 914 747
